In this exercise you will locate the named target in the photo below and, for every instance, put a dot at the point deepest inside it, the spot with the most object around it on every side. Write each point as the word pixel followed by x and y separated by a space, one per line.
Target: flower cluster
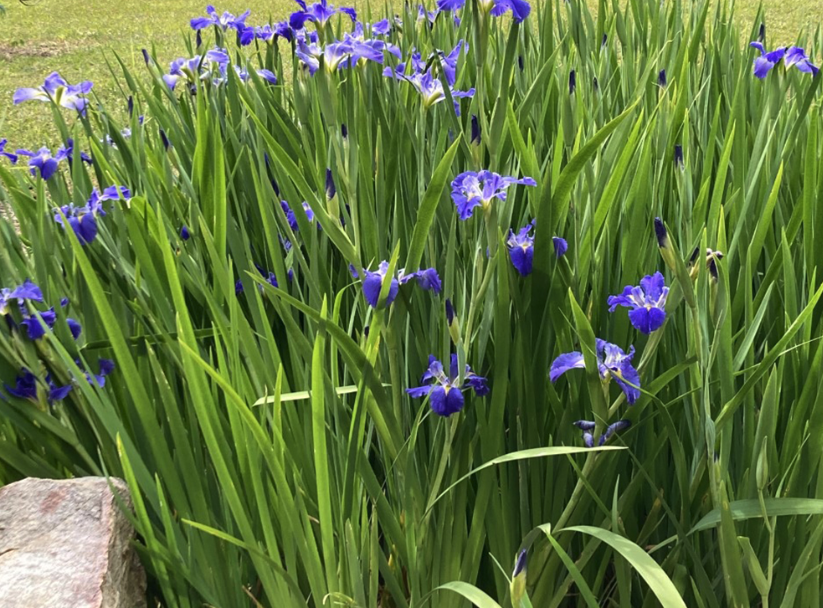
pixel 224 21
pixel 647 302
pixel 445 391
pixel 26 384
pixel 33 321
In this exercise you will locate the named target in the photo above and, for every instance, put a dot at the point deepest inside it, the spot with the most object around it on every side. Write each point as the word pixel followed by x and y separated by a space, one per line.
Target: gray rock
pixel 65 544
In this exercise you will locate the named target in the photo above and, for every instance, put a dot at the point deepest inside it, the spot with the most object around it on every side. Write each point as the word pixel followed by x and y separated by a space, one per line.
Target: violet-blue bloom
pixel 200 67
pixel 373 284
pixel 473 189
pixel 796 57
pixel 41 162
pixel 319 13
pixel 764 64
pixel 427 279
pixel 184 233
pixel 445 391
pixel 12 157
pixel 25 386
pixel 34 325
pixel 647 302
pixel 520 8
pixel 224 21
pixel 521 249
pixel 381 28
pixel 83 220
pixel 66 152
pixel 612 362
pixel 59 91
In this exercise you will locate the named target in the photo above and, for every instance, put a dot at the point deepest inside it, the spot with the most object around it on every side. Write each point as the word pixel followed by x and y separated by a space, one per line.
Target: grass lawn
pixel 72 37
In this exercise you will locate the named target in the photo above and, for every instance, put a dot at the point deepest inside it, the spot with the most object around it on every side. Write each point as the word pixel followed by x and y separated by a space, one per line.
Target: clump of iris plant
pixel 83 220
pixel 792 57
pixel 473 189
pixel 57 90
pixel 587 426
pixel 612 362
pixel 647 302
pixel 445 391
pixel 521 248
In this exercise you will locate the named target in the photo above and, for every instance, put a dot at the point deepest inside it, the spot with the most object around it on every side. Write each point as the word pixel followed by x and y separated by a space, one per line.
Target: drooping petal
pixel 565 362
pixel 522 259
pixel 420 391
pixel 560 246
pixel 628 379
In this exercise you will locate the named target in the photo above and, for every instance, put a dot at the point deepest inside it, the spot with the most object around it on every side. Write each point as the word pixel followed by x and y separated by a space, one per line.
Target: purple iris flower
pixel 245 36
pixel 423 14
pixel 521 249
pixel 266 75
pixel 473 189
pixel 445 391
pixel 427 279
pixel 764 64
pixel 319 12
pixel 520 8
pixel 83 220
pixel 381 28
pixel 25 386
pixel 612 362
pixel 21 293
pixel 12 157
pixel 363 49
pixel 67 152
pixel 35 327
pixel 647 301
pixel 797 57
pixel 184 233
pixel 224 21
pixel 431 88
pixel 373 284
pixel 59 91
pixel 334 55
pixel 199 67
pixel 41 161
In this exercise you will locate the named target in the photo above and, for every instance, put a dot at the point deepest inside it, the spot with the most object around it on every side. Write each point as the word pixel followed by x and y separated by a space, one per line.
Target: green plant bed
pixel 354 324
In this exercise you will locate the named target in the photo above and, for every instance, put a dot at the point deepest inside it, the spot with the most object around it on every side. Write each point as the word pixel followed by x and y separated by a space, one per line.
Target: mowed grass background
pixel 74 37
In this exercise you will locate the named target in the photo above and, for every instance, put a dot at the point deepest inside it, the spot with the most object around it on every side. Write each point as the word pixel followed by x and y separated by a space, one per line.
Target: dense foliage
pixel 493 303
